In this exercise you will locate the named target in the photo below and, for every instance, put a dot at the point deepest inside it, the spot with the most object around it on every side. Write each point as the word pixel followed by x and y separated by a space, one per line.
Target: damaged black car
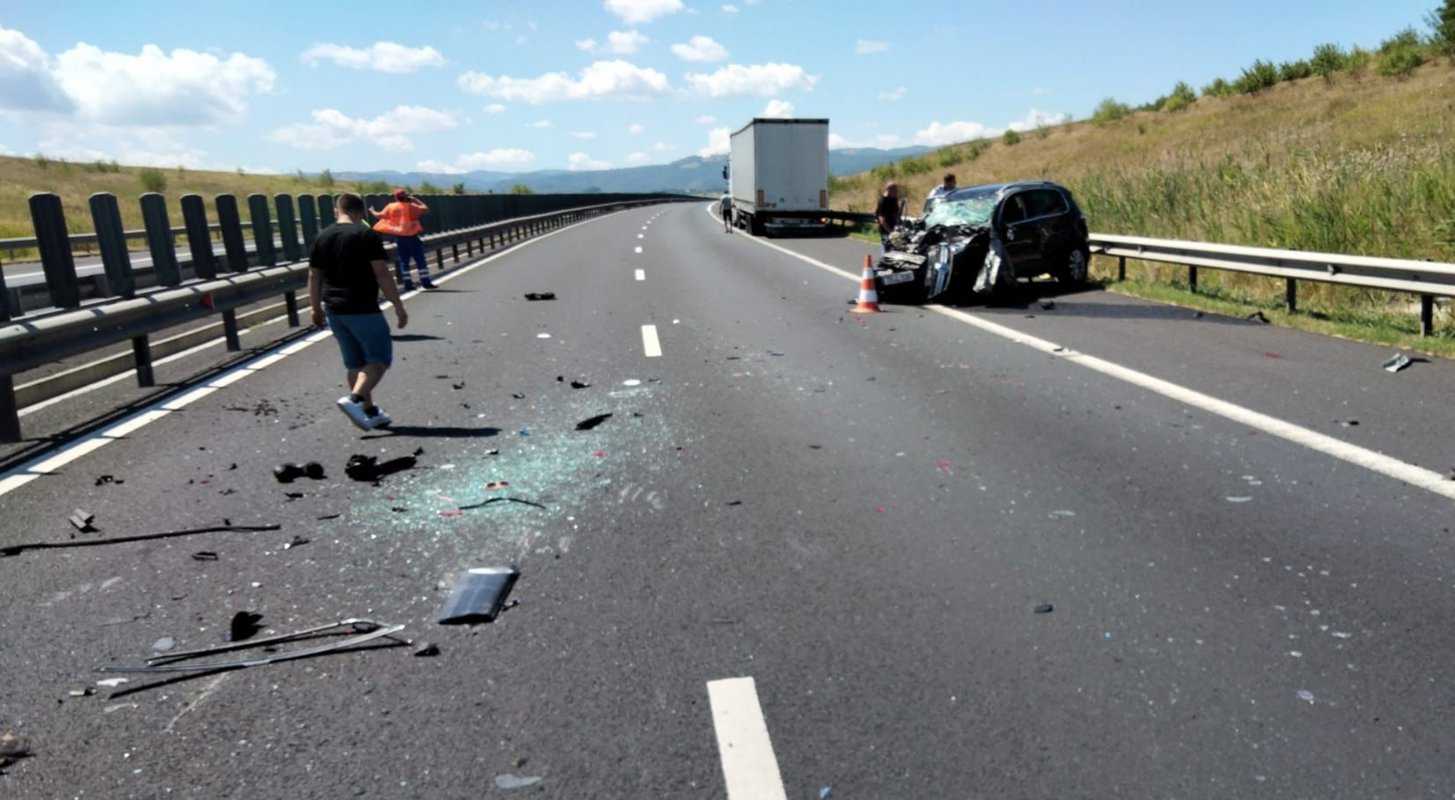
pixel 982 240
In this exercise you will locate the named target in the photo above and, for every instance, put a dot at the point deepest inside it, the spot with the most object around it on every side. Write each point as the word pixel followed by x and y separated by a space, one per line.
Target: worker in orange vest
pixel 400 219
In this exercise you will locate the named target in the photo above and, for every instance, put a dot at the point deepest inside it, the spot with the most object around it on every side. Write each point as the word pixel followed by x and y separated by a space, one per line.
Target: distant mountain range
pixel 690 175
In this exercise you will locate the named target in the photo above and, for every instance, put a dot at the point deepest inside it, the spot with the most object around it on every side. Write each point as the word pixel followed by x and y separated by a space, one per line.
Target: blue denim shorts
pixel 362 339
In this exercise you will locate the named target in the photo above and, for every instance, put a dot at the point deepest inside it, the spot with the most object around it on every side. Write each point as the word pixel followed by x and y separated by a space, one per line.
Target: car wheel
pixel 1078 266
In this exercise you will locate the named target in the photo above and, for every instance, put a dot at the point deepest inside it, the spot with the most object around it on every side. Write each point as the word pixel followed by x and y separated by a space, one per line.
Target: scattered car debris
pixel 457 386
pixel 429 650
pixel 493 452
pixel 735 502
pixel 1257 316
pixel 287 473
pixel 517 395
pixel 507 781
pixel 293 496
pixel 298 541
pixel 1397 362
pixel 13 748
pixel 112 683
pixel 368 469
pixel 163 644
pixel 204 555
pixel 538 296
pixel 81 520
pixel 17 549
pixel 825 793
pixel 362 630
pixel 580 385
pixel 478 596
pixel 418 451
pixel 102 480
pixel 314 470
pixel 1348 423
pixel 1045 608
pixel 244 626
pixel 591 422
pixel 86 692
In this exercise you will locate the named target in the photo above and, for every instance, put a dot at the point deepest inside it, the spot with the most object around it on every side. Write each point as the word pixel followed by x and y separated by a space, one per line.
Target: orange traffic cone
pixel 868 297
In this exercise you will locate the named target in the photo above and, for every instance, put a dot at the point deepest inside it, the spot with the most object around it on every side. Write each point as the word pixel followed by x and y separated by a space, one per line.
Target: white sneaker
pixel 355 412
pixel 379 420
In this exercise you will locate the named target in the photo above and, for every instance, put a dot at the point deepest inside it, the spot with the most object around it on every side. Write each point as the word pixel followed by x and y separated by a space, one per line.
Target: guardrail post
pixel 1290 295
pixel 439 257
pixel 288 228
pixel 262 221
pixel 159 239
pixel 1427 315
pixel 326 213
pixel 54 243
pixel 9 414
pixel 141 356
pixel 455 251
pixel 199 237
pixel 1121 268
pixel 232 235
pixel 1192 279
pixel 290 301
pixel 111 242
pixel 229 330
pixel 308 215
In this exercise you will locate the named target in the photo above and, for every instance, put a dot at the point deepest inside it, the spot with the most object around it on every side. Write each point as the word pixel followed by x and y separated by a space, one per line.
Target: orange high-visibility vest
pixel 399 219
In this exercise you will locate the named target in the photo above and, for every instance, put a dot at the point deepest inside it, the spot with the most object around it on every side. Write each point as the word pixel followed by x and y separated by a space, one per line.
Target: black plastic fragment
pixel 204 555
pixel 535 296
pixel 314 470
pixel 102 480
pixel 1045 608
pixel 287 473
pixel 580 385
pixel 458 386
pixel 369 470
pixel 429 650
pixel 244 626
pixel 81 520
pixel 591 422
pixel 1257 316
pixel 479 595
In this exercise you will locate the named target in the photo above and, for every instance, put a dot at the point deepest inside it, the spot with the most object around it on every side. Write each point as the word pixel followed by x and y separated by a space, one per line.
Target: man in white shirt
pixel 940 191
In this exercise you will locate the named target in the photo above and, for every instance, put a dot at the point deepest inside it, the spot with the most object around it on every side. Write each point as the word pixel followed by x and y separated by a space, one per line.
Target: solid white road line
pixel 650 344
pixel 749 768
pixel 641 274
pixel 14 478
pixel 1290 432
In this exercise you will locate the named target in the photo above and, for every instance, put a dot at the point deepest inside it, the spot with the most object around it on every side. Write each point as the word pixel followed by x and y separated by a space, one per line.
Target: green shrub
pixel 1358 61
pixel 521 188
pixel 152 180
pixel 42 161
pixel 1261 75
pixel 1328 59
pixel 325 178
pixel 1295 70
pixel 1043 132
pixel 1109 110
pixel 1400 62
pixel 1181 98
pixel 1407 38
pixel 915 166
pixel 976 149
pixel 885 172
pixel 425 187
pixel 1442 25
pixel 1011 138
pixel 458 188
pixel 1218 88
pixel 948 157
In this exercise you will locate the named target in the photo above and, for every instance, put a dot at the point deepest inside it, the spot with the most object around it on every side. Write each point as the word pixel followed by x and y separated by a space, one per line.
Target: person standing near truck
pixel 400 219
pixel 887 213
pixel 725 207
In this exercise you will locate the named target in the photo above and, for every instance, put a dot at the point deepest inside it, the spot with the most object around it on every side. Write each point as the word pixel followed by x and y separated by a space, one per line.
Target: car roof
pixel 1004 188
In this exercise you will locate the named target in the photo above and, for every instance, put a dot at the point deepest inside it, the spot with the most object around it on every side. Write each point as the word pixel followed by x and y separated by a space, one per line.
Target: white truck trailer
pixel 778 174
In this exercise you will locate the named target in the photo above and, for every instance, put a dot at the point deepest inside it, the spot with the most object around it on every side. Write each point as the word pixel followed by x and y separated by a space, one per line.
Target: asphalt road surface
pixel 1102 549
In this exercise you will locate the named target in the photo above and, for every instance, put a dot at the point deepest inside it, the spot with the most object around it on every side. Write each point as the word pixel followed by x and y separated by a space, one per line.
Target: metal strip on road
pixel 749 768
pixel 1371 460
pixel 47 463
pixel 651 345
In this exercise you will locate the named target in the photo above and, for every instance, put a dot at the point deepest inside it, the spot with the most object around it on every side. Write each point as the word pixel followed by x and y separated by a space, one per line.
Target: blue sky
pixel 450 86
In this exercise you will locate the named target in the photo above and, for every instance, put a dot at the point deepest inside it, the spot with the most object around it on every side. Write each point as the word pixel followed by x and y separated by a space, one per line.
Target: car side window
pixel 1044 203
pixel 1013 210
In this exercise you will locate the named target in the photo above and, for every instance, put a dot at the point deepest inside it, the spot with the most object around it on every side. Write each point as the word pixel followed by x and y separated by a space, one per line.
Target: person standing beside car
pixel 887 213
pixel 400 219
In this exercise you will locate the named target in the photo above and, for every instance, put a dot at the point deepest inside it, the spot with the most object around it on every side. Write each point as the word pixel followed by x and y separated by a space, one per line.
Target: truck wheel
pixel 1077 268
pixel 756 226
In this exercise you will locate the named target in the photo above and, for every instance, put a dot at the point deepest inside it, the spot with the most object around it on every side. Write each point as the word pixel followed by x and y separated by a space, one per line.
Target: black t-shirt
pixel 344 253
pixel 888 210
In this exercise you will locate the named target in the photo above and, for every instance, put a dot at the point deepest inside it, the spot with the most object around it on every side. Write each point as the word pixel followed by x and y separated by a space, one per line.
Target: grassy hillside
pixel 20 177
pixel 1363 163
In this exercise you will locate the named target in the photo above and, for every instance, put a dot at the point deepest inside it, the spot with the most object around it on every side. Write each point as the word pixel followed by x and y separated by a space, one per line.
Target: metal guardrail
pixel 1426 279
pixel 34 340
pixel 86 239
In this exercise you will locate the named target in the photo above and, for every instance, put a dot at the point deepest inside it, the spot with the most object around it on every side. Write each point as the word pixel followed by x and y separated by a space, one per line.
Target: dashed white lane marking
pixel 46 464
pixel 1290 432
pixel 641 236
pixel 749 768
pixel 639 248
pixel 651 345
pixel 641 274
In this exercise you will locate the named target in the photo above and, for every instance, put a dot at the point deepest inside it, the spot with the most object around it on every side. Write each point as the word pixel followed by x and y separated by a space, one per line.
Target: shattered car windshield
pixel 967 209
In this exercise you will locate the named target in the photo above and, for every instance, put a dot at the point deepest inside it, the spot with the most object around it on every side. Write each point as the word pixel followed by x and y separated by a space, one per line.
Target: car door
pixel 1020 236
pixel 1049 212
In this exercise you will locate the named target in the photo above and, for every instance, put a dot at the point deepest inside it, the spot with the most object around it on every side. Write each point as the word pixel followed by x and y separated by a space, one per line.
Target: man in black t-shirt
pixel 347 269
pixel 886 214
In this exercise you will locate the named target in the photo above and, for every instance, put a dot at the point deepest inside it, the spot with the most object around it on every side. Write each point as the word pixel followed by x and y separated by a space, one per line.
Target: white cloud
pixel 883 140
pixel 837 142
pixel 155 88
pixel 937 133
pixel 718 143
pixel 893 95
pixel 603 79
pixel 661 147
pixel 542 123
pixel 700 49
pixel 26 82
pixel 584 136
pixel 1036 118
pixel 1040 91
pixel 729 8
pixel 495 25
pixel 388 57
pixel 887 140
pixel 635 129
pixel 865 47
pixel 622 43
pixel 132 145
pixel 391 130
pixel 577 162
pixel 637 158
pixel 640 12
pixel 777 109
pixel 502 158
pixel 705 119
pixel 495 108
pixel 764 80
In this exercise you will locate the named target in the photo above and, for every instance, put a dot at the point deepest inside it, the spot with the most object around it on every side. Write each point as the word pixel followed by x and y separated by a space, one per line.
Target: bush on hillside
pixel 1401 61
pixel 915 166
pixel 425 187
pixel 1358 61
pixel 1442 24
pixel 152 180
pixel 325 178
pixel 1328 59
pixel 1294 70
pixel 1011 138
pixel 1181 98
pixel 458 188
pixel 1407 38
pixel 1218 88
pixel 1109 110
pixel 521 188
pixel 885 172
pixel 1261 75
pixel 948 157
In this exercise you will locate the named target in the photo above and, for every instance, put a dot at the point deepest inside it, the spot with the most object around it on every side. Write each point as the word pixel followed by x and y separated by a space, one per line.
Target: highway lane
pixel 862 514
